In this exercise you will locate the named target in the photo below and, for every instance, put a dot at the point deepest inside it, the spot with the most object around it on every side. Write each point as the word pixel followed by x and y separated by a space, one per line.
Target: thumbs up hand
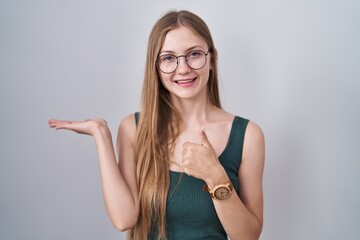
pixel 200 160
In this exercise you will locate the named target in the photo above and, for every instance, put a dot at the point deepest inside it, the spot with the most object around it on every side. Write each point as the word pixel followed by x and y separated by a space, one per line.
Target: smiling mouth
pixel 185 81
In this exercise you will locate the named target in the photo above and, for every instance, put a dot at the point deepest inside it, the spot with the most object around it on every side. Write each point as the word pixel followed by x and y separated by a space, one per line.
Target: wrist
pixel 219 186
pixel 217 177
pixel 101 130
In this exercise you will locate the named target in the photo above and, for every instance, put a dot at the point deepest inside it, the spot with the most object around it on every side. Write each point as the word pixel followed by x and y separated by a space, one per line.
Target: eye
pixel 167 58
pixel 195 54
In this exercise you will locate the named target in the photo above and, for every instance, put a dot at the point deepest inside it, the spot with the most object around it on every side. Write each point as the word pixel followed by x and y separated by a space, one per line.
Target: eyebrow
pixel 187 50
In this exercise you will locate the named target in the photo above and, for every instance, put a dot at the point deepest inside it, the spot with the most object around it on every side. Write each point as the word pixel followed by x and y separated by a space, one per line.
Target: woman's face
pixel 185 82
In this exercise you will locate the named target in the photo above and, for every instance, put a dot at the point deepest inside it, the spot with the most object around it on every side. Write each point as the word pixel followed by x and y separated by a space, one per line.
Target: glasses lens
pixel 167 63
pixel 196 59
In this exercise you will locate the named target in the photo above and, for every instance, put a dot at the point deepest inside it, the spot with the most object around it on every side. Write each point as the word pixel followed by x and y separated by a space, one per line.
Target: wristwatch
pixel 221 191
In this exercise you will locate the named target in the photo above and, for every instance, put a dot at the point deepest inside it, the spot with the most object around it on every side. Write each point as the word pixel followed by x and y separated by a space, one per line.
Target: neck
pixel 194 112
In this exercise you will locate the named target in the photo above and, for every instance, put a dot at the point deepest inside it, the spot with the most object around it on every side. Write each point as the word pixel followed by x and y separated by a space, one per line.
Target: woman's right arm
pixel 118 178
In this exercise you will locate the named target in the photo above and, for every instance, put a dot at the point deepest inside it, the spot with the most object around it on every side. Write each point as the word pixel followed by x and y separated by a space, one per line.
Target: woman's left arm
pixel 242 215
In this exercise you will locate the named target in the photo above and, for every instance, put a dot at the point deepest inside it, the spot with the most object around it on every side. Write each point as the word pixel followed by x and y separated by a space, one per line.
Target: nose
pixel 182 67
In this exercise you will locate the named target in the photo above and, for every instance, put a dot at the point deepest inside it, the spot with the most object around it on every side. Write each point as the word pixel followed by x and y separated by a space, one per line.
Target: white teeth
pixel 185 81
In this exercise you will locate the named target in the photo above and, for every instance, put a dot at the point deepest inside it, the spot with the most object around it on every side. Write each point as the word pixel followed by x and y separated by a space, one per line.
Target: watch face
pixel 222 193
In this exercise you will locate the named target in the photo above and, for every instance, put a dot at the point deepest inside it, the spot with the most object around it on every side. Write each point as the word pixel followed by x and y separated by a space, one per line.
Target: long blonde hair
pixel 160 123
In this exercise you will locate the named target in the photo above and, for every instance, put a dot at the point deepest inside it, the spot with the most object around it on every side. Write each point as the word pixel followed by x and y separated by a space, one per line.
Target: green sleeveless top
pixel 190 212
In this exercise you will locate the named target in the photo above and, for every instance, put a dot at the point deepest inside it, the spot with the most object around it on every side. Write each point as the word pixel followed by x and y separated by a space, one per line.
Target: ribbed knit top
pixel 190 212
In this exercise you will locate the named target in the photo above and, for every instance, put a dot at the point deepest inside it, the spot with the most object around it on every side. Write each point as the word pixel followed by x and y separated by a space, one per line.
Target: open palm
pixel 87 127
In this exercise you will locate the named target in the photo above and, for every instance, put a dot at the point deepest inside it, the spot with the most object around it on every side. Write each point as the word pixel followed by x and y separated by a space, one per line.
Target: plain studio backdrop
pixel 293 67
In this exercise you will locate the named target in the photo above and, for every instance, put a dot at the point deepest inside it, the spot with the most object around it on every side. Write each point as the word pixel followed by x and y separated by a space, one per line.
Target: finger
pixel 204 139
pixel 60 124
pixel 56 122
pixel 53 123
pixel 190 145
pixel 187 172
pixel 186 145
pixel 182 161
pixel 183 152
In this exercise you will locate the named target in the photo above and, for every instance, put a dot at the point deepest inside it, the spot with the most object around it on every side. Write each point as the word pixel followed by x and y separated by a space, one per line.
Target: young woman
pixel 186 169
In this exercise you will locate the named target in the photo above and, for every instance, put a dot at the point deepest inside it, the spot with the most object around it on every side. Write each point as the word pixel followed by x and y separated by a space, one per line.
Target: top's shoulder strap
pixel 137 116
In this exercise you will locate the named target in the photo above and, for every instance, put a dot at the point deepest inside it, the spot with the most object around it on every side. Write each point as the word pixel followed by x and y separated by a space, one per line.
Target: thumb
pixel 204 139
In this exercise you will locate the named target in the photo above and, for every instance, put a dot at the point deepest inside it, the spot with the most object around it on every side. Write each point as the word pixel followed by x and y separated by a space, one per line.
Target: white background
pixel 290 66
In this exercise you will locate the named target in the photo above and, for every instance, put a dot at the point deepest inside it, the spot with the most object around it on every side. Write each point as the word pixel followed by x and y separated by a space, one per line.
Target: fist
pixel 198 160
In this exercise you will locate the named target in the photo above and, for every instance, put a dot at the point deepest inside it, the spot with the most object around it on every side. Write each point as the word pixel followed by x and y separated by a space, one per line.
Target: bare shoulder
pixel 127 128
pixel 254 143
pixel 128 122
pixel 254 132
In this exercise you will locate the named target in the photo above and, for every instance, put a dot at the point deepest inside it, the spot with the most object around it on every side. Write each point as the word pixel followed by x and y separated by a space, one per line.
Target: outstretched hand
pixel 88 127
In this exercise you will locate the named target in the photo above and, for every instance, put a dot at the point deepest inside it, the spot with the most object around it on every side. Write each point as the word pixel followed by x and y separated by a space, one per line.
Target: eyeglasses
pixel 196 60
